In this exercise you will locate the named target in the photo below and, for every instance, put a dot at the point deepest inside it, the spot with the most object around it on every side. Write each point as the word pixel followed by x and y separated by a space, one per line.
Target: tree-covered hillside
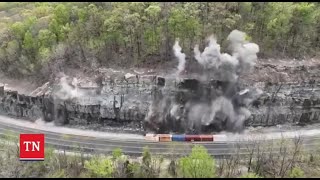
pixel 36 36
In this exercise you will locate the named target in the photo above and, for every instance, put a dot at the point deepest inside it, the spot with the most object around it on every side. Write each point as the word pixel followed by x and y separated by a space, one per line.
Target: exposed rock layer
pixel 122 102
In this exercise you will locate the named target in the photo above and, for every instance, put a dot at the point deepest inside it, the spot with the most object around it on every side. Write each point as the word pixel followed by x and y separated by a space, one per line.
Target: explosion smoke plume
pixel 67 90
pixel 224 106
pixel 181 57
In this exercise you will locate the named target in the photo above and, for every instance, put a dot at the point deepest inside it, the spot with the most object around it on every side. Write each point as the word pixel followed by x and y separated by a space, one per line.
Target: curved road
pixel 98 142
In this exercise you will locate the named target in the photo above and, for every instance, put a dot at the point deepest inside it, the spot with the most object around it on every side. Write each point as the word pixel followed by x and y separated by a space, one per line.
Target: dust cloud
pixel 224 106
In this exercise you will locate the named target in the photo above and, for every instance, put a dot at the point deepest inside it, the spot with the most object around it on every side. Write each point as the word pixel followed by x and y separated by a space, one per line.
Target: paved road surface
pixel 130 144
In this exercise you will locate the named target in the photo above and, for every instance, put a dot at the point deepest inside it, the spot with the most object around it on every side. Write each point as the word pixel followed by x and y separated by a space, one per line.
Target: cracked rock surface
pixel 119 101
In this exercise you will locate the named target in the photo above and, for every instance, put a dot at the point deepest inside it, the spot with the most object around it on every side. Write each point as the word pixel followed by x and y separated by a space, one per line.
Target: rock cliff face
pixel 122 103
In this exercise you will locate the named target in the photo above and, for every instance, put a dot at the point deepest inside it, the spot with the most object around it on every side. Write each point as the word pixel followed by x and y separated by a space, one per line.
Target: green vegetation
pixel 116 153
pixel 99 167
pixel 290 160
pixel 42 38
pixel 199 164
pixel 296 173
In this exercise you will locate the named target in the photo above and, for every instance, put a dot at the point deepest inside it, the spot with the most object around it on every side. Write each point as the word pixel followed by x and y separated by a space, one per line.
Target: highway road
pixel 102 143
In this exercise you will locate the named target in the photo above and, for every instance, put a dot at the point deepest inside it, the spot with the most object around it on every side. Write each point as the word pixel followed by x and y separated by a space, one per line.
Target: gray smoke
pixel 226 66
pixel 222 107
pixel 68 90
pixel 180 56
pixel 211 55
pixel 244 51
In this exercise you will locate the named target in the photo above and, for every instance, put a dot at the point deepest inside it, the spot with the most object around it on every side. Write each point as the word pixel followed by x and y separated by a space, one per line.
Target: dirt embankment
pixel 266 70
pixel 124 99
pixel 23 86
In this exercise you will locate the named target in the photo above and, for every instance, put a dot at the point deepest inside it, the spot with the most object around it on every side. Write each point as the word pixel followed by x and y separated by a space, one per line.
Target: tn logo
pixel 35 145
